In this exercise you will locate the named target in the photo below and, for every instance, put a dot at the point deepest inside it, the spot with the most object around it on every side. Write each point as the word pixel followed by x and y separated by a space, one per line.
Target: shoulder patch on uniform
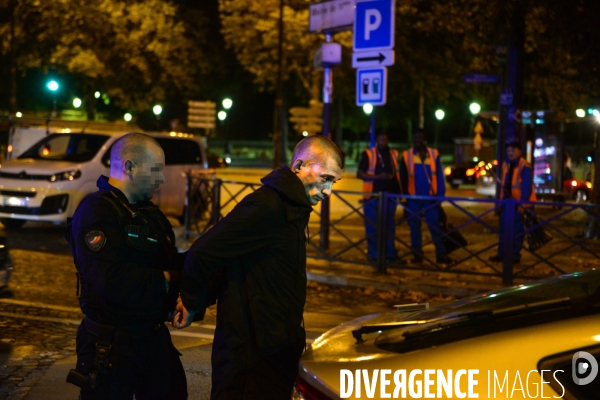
pixel 95 240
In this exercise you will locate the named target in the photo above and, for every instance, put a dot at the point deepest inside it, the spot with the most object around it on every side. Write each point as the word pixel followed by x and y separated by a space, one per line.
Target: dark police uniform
pixel 120 251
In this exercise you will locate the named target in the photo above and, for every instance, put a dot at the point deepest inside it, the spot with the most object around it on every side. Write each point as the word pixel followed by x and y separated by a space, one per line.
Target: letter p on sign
pixel 374 25
pixel 372 22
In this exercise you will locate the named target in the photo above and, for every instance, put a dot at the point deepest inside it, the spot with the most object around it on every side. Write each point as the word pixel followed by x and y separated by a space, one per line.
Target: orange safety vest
pixel 372 155
pixel 515 185
pixel 410 166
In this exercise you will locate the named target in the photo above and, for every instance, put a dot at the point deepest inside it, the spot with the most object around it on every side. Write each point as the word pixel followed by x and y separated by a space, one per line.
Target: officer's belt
pixel 121 334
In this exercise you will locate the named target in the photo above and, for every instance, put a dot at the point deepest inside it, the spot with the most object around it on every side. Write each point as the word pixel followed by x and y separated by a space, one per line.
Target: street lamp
pixel 221 115
pixel 227 103
pixel 127 117
pixel 76 102
pixel 580 112
pixel 368 109
pixel 53 87
pixel 439 115
pixel 157 109
pixel 474 108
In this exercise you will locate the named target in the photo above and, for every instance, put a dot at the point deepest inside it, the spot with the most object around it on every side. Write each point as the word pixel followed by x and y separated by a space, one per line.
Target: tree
pixel 136 52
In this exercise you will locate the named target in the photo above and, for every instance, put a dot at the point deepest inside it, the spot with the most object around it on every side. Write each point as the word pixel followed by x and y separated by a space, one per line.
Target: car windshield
pixel 76 147
pixel 553 299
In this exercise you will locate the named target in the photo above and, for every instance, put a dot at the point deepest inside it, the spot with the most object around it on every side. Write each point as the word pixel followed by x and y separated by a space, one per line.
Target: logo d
pixel 581 368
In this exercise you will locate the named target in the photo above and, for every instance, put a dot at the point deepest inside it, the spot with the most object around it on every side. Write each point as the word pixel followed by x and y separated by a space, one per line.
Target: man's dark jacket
pixel 259 252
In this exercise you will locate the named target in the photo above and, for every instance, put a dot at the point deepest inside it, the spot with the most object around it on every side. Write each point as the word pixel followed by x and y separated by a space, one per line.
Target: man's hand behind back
pixel 183 318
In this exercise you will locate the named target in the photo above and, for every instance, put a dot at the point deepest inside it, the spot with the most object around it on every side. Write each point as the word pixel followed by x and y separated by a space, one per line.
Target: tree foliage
pixel 136 52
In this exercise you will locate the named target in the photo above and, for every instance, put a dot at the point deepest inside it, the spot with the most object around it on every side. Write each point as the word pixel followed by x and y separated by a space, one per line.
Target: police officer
pixel 378 168
pixel 421 173
pixel 517 183
pixel 123 248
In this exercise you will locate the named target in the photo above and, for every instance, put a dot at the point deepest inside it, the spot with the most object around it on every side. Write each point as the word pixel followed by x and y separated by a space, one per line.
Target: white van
pixel 48 181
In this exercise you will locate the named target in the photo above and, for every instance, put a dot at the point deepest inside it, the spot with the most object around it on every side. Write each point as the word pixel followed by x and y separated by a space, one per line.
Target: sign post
pixel 202 114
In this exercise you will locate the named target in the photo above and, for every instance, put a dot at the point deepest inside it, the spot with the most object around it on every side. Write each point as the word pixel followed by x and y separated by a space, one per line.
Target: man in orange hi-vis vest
pixel 379 171
pixel 517 183
pixel 422 175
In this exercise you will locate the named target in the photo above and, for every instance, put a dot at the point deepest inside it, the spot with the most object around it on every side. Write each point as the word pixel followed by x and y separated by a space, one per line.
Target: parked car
pixel 573 189
pixel 541 337
pixel 48 181
pixel 463 173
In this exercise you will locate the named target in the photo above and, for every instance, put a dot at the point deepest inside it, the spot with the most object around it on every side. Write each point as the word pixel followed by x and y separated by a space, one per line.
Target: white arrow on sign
pixel 381 58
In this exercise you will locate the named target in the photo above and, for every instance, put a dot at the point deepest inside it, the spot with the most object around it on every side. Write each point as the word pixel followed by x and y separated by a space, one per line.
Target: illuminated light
pixel 19 114
pixel 474 108
pixel 493 295
pixel 367 108
pixel 221 115
pixel 304 133
pixel 540 114
pixel 180 134
pixel 580 112
pixel 495 162
pixel 481 164
pixel 595 113
pixel 363 358
pixel 523 287
pixel 45 151
pixel 172 134
pixel 539 142
pixel 228 160
pixel 97 94
pixel 470 172
pixel 475 159
pixel 440 114
pixel 127 117
pixel 483 173
pixel 76 102
pixel 67 130
pixel 573 183
pixel 9 148
pixel 157 110
pixel 1 246
pixel 589 185
pixel 107 101
pixel 547 171
pixel 596 338
pixel 52 85
pixel 15 201
pixel 447 171
pixel 227 103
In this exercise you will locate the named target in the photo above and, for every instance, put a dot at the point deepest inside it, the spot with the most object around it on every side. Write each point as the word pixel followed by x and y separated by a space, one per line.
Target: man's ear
pixel 297 165
pixel 128 166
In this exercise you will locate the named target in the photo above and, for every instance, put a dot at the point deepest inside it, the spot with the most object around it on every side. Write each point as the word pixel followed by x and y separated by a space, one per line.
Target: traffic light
pixel 308 120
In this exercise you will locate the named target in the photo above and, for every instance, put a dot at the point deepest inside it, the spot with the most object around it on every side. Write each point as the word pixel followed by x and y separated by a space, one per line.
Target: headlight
pixel 65 176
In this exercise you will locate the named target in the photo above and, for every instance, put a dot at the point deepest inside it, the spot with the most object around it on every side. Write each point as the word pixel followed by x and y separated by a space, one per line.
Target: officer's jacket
pixel 120 250
pixel 422 177
pixel 259 249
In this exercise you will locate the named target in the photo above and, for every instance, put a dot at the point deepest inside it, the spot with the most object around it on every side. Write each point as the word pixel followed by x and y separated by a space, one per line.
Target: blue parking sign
pixel 371 86
pixel 374 25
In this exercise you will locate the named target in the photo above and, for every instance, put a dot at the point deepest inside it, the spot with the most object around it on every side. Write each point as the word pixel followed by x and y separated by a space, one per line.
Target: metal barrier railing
pixel 209 199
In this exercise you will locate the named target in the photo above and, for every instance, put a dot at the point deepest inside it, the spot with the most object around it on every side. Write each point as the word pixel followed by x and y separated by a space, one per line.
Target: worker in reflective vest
pixel 378 168
pixel 517 183
pixel 421 173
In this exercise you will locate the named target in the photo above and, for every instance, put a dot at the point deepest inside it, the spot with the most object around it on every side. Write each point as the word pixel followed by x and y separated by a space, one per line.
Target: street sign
pixel 201 114
pixel 308 119
pixel 364 59
pixel 481 78
pixel 371 86
pixel 374 25
pixel 335 15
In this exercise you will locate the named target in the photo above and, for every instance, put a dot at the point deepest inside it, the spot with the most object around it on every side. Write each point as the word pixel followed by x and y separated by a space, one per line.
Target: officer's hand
pixel 183 318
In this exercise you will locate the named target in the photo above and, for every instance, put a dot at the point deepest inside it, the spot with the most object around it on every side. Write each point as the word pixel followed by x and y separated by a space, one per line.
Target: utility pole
pixel 278 152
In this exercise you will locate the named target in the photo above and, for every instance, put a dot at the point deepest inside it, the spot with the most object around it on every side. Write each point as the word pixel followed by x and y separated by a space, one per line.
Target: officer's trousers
pixel 432 216
pixel 147 366
pixel 371 225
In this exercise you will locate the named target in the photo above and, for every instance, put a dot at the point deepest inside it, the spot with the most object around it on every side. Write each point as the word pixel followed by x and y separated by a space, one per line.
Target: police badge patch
pixel 95 240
